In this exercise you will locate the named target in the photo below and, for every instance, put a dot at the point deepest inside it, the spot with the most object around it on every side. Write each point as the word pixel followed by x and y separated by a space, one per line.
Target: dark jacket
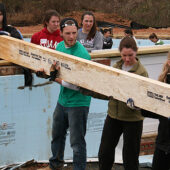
pixel 107 43
pixel 163 138
pixel 13 31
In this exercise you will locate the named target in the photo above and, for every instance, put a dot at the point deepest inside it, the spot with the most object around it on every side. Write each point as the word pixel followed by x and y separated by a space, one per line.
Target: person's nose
pixel 88 23
pixel 71 36
pixel 127 59
pixel 56 23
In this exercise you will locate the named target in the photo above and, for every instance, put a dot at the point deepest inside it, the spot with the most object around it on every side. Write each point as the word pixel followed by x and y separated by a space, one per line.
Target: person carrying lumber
pixel 161 155
pixel 121 119
pixel 72 107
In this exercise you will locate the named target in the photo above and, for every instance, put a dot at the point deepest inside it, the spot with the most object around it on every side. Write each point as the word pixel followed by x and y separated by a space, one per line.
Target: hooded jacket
pixel 47 39
pixel 11 30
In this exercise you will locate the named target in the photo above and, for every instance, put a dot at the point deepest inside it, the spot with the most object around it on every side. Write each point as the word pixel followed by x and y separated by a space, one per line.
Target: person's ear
pixel 46 23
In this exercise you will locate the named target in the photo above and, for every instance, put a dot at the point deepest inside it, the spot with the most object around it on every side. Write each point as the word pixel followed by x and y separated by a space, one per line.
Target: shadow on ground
pixel 94 166
pixel 68 166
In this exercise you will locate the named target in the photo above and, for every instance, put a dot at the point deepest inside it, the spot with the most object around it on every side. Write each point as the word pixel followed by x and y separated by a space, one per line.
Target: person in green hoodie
pixel 121 119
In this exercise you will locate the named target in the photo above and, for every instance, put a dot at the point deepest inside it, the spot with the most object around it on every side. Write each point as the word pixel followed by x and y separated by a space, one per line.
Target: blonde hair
pixel 165 70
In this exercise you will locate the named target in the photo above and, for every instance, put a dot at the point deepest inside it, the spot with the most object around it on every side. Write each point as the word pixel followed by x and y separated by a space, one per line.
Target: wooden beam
pixel 141 50
pixel 5 63
pixel 147 93
pixel 115 52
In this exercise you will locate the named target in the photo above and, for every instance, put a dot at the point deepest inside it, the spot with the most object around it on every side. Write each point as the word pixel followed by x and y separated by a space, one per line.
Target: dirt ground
pixel 90 166
pixel 163 33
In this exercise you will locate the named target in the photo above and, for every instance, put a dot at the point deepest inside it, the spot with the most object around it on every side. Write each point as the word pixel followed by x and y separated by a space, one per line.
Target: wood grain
pixel 146 93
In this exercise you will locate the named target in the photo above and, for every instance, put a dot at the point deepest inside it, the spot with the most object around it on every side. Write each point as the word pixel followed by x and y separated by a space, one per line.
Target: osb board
pixel 147 93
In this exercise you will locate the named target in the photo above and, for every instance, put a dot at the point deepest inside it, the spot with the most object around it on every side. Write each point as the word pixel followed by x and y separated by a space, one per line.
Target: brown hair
pixel 48 15
pixel 152 36
pixel 129 32
pixel 93 30
pixel 165 70
pixel 3 11
pixel 128 42
pixel 106 30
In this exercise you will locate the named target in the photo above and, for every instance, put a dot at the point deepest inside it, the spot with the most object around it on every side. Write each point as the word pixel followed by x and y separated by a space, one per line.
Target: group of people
pixel 73 104
pixel 153 37
pixel 108 42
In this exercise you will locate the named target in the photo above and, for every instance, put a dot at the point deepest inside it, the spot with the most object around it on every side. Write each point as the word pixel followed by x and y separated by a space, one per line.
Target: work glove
pixel 54 72
pixel 131 105
pixel 41 74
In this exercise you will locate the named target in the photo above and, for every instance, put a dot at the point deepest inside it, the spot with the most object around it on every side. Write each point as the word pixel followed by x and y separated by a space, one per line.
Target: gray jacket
pixel 94 44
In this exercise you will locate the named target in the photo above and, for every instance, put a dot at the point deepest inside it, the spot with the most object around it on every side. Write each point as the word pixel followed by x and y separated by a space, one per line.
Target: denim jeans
pixel 74 118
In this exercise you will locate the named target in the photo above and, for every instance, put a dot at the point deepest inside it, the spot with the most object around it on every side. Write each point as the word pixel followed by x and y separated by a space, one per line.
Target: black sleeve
pixel 108 44
pixel 149 114
pixel 13 31
pixel 93 94
pixel 110 41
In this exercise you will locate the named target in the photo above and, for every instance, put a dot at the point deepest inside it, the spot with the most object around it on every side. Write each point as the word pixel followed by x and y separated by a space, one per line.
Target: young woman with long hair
pixel 88 35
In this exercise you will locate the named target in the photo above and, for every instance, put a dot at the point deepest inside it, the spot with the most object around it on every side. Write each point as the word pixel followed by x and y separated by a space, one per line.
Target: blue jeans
pixel 74 118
